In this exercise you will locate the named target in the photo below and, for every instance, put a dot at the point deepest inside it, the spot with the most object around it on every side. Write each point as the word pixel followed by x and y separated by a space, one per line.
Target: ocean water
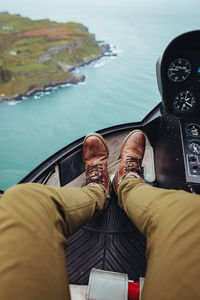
pixel 117 90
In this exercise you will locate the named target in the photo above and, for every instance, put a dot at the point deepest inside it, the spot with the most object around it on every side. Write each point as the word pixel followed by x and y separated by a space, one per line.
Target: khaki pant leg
pixel 35 221
pixel 171 222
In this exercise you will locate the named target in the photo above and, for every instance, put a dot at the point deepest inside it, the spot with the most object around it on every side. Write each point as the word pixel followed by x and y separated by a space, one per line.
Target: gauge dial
pixel 193 130
pixel 194 147
pixel 179 70
pixel 184 101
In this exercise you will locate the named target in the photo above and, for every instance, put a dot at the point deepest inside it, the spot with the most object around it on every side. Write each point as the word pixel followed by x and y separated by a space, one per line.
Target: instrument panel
pixel 178 76
pixel 182 99
pixel 182 81
pixel 191 148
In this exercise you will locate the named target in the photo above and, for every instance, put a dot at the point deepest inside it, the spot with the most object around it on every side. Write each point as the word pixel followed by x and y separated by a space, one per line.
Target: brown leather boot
pixel 132 153
pixel 95 155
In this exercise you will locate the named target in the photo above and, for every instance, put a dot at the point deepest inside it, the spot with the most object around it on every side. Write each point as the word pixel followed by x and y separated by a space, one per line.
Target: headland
pixel 37 55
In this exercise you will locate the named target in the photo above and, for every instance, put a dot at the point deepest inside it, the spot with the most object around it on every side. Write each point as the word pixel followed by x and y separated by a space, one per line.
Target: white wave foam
pixel 49 88
pixel 13 102
pixel 39 95
pixel 82 82
pixel 99 64
pixel 113 57
pixel 65 85
pixel 117 51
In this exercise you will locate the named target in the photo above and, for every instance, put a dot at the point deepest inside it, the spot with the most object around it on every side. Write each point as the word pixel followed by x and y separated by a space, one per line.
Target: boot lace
pixel 95 174
pixel 130 165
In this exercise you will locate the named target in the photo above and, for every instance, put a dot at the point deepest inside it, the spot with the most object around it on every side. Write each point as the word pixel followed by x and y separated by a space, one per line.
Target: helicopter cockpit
pixel 172 161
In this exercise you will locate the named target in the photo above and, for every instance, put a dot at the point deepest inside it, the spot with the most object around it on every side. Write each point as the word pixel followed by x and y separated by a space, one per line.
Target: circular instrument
pixel 184 101
pixel 179 70
pixel 194 147
pixel 193 130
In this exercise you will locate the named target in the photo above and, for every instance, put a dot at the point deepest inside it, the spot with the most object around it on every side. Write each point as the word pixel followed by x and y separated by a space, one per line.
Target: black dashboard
pixel 178 76
pixel 182 83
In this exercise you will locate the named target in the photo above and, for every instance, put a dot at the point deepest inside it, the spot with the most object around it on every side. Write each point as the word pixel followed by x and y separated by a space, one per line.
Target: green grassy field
pixel 34 54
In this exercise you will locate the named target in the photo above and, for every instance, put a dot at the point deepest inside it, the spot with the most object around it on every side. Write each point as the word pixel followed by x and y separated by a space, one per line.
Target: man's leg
pixel 33 238
pixel 35 221
pixel 170 221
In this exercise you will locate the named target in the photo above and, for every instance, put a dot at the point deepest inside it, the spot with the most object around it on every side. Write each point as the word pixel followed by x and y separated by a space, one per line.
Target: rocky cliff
pixel 41 53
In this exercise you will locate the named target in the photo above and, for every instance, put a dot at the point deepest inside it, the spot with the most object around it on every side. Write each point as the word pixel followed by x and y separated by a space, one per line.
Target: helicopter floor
pixel 110 242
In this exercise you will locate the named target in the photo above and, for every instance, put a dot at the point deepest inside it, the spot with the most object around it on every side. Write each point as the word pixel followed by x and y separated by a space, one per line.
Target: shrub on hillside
pixel 5 75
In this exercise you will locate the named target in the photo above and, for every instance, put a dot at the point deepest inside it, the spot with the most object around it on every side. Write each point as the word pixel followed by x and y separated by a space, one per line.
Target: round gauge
pixel 193 130
pixel 184 101
pixel 179 70
pixel 194 147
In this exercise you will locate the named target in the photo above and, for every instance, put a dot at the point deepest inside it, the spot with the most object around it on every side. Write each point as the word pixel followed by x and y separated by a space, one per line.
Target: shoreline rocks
pixel 74 80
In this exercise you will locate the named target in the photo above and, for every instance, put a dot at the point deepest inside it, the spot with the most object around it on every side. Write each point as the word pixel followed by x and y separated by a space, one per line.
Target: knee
pixel 20 193
pixel 16 191
pixel 28 200
pixel 30 197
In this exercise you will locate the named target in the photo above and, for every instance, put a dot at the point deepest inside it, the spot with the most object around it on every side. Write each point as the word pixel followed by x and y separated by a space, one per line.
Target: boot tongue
pixel 95 174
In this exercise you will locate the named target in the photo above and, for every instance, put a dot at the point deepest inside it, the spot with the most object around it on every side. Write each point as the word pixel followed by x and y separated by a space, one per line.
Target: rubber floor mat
pixel 109 242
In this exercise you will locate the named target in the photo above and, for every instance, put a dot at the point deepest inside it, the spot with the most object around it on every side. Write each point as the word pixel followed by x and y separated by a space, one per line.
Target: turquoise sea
pixel 117 90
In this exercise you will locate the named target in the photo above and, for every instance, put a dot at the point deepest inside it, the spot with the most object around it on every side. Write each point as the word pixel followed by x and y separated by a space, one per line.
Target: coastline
pixel 73 80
